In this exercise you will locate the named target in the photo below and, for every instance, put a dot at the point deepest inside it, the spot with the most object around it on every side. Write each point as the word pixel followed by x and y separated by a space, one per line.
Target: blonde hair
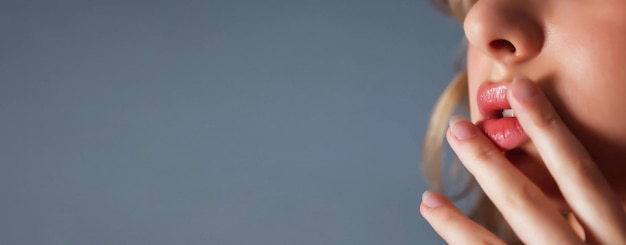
pixel 454 97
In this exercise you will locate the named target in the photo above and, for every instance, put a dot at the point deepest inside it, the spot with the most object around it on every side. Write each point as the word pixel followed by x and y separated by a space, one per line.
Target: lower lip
pixel 506 133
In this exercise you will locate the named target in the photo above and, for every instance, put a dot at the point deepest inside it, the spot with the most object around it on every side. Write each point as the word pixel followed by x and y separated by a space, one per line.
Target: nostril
pixel 502 44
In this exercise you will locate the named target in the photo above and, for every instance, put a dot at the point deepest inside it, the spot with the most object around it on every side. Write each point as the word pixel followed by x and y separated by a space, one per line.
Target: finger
pixel 524 206
pixel 580 181
pixel 451 224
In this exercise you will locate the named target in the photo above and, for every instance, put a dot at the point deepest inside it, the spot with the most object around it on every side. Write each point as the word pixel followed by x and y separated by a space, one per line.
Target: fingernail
pixel 431 201
pixel 454 119
pixel 524 89
pixel 462 130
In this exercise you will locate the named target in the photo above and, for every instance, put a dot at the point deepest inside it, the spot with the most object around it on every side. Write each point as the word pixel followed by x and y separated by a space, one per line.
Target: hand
pixel 533 218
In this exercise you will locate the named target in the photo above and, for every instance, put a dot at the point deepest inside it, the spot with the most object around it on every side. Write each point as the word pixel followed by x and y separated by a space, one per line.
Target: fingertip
pixel 430 204
pixel 532 108
pixel 523 89
pixel 455 119
pixel 432 200
pixel 461 128
pixel 452 224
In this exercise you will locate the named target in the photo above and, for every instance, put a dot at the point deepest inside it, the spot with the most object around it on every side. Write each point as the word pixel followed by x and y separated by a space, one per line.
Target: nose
pixel 508 31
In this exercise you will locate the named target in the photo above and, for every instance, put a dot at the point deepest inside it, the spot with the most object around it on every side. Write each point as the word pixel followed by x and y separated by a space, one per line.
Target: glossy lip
pixel 506 133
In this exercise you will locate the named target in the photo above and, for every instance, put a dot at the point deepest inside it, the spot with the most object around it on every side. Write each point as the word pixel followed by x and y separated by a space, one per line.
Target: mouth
pixel 499 114
pixel 499 122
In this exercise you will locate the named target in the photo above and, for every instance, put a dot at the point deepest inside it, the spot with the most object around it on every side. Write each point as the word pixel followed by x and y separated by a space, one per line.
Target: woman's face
pixel 576 51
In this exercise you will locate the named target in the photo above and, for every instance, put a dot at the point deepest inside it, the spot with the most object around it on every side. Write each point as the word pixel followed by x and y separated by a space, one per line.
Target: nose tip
pixel 507 33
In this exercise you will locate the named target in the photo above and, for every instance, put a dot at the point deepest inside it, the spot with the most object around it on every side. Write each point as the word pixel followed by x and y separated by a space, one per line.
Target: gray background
pixel 219 121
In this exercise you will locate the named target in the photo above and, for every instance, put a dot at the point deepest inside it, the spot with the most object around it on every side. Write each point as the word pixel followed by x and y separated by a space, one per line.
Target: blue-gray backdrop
pixel 217 121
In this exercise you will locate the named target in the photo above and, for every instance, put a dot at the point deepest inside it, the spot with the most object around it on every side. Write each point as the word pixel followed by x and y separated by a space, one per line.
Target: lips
pixel 505 132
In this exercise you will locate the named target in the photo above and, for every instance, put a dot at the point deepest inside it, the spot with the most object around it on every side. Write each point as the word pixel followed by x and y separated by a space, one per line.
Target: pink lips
pixel 506 133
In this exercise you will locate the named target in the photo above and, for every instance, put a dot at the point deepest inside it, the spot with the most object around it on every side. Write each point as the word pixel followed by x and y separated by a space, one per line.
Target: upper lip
pixel 492 100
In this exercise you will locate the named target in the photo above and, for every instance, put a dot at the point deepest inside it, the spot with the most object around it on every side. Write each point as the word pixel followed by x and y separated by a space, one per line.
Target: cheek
pixel 590 86
pixel 590 102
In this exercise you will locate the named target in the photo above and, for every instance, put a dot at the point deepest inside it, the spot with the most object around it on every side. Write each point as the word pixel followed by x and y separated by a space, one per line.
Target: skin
pixel 571 55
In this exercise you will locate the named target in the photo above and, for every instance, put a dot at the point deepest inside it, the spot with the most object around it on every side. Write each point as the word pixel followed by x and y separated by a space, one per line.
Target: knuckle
pixel 582 167
pixel 579 165
pixel 446 215
pixel 547 119
pixel 520 199
pixel 483 241
pixel 485 154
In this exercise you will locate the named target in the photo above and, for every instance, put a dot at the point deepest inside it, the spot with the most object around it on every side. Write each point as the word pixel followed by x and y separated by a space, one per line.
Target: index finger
pixel 579 180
